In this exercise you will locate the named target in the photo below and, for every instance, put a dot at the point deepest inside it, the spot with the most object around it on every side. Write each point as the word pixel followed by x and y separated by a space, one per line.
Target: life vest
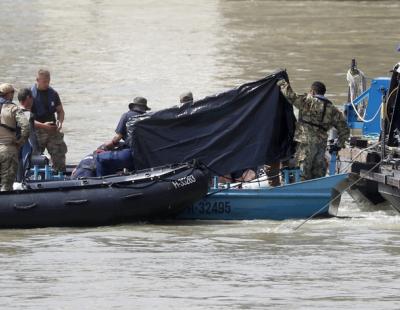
pixel 8 123
pixel 42 109
pixel 6 120
pixel 320 122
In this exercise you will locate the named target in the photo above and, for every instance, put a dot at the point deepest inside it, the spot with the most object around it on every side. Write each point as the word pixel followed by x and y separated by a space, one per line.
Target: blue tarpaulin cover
pixel 244 127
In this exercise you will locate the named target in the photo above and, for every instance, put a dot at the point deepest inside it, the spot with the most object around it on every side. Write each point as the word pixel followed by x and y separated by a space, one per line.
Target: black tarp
pixel 241 128
pixel 393 108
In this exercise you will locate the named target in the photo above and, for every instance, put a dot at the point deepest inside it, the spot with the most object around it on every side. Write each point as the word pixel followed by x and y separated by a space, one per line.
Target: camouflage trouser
pixel 310 157
pixel 55 145
pixel 8 166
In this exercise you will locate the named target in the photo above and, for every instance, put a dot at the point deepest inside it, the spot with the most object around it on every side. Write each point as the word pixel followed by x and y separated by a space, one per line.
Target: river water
pixel 101 55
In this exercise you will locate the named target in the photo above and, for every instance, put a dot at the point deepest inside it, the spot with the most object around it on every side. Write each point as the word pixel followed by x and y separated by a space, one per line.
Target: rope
pixel 390 95
pixel 361 117
pixel 358 154
pixel 223 189
pixel 387 116
pixel 376 113
pixel 337 196
pixel 156 179
pixel 352 184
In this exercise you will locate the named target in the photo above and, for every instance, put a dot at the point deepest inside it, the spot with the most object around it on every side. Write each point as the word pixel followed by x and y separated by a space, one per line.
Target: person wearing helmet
pixel 11 117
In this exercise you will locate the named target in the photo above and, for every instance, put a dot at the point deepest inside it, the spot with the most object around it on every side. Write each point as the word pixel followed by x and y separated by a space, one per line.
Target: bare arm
pixel 60 115
pixel 110 145
pixel 46 126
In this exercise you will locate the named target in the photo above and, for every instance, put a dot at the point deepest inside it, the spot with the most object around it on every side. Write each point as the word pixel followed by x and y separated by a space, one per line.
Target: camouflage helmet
pixel 6 88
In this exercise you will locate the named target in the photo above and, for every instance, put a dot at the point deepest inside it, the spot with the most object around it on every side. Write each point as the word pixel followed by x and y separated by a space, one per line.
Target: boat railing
pixel 288 175
pixel 368 124
pixel 45 173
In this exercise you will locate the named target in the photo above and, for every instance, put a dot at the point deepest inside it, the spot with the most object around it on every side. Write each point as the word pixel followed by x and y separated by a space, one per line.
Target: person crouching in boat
pixel 317 115
pixel 11 117
pixel 136 108
pixel 120 154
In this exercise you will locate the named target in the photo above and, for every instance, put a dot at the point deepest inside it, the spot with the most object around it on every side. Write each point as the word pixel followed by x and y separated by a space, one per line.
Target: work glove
pixel 334 148
pixel 285 76
pixel 281 74
pixel 281 82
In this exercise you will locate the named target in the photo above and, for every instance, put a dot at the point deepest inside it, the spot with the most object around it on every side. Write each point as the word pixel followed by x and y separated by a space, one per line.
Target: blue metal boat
pixel 318 197
pixel 365 118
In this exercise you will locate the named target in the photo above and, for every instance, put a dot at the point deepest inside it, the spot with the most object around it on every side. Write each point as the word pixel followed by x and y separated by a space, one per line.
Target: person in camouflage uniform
pixel 11 117
pixel 317 115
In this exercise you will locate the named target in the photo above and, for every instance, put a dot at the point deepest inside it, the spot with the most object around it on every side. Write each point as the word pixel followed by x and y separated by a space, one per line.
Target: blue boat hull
pixel 293 201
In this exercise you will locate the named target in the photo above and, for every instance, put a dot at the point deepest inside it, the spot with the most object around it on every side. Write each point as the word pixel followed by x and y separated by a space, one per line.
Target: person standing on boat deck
pixel 47 104
pixel 25 99
pixel 317 115
pixel 136 108
pixel 30 147
pixel 11 117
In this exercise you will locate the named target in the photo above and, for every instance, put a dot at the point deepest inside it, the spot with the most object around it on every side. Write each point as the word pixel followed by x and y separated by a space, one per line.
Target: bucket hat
pixel 139 102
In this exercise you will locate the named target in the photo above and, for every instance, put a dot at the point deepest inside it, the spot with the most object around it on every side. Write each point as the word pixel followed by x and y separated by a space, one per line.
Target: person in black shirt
pixel 49 114
pixel 136 108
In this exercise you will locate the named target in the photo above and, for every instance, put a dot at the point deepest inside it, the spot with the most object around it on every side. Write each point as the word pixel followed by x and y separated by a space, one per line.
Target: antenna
pixel 353 64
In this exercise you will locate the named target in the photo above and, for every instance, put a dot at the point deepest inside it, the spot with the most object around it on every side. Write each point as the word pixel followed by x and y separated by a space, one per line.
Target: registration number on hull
pixel 207 207
pixel 185 181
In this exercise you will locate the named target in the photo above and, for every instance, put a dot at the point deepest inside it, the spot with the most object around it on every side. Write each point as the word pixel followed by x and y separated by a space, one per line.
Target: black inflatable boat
pixel 146 195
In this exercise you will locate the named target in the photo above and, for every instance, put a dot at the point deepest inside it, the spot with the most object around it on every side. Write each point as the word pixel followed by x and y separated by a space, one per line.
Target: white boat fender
pixel 18 186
